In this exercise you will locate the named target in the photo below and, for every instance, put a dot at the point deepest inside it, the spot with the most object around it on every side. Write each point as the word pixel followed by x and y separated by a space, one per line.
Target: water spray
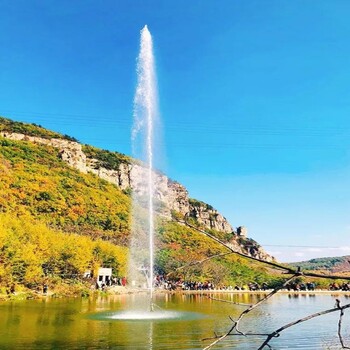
pixel 145 111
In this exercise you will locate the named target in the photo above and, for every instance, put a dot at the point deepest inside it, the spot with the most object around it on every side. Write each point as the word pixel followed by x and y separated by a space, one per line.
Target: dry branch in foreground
pixel 234 330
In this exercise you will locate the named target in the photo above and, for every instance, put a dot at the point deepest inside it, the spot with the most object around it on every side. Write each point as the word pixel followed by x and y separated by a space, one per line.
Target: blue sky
pixel 254 101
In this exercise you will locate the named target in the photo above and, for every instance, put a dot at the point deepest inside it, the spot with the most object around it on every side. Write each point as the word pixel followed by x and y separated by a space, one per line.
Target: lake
pixel 92 323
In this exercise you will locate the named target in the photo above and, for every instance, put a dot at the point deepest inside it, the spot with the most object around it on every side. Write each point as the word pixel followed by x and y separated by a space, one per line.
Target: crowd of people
pixel 168 284
pixel 161 281
pixel 115 281
pixel 335 286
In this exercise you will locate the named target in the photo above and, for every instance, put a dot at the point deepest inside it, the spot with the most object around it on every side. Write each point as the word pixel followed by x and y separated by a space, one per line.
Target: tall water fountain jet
pixel 145 183
pixel 145 115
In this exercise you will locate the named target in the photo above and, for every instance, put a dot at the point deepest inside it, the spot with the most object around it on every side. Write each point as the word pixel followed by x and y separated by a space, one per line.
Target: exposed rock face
pixel 260 253
pixel 178 197
pixel 171 194
pixel 242 231
pixel 252 248
pixel 70 151
pixel 209 217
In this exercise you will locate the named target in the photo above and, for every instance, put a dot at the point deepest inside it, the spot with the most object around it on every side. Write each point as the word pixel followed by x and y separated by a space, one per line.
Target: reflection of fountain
pixel 150 336
pixel 145 113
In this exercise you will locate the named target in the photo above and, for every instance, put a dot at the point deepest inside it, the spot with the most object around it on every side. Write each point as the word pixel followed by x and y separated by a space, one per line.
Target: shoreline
pixel 235 292
pixel 119 290
pixel 283 291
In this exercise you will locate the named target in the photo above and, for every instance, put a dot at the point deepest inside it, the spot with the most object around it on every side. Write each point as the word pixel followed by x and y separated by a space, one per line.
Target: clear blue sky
pixel 254 98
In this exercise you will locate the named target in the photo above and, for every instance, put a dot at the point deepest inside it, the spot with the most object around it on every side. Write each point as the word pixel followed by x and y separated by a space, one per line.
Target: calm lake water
pixel 91 323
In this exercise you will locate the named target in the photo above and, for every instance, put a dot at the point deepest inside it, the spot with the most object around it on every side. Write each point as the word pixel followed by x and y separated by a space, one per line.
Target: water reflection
pixel 66 323
pixel 150 338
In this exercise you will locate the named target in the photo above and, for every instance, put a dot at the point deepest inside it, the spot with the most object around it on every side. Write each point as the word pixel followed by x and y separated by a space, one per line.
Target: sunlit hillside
pixel 56 223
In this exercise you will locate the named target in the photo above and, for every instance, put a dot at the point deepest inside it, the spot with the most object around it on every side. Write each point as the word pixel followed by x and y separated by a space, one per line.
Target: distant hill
pixel 339 264
pixel 66 208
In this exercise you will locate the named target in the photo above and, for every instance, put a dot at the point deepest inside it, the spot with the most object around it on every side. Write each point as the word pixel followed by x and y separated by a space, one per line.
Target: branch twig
pixel 234 330
pixel 288 270
pixel 234 327
pixel 227 301
pixel 279 330
pixel 202 261
pixel 340 324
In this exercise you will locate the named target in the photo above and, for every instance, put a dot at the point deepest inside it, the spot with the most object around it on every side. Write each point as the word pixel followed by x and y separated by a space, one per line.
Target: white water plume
pixel 145 115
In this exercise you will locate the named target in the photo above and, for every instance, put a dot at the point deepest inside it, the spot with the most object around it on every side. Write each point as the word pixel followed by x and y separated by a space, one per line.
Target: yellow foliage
pixel 35 181
pixel 31 253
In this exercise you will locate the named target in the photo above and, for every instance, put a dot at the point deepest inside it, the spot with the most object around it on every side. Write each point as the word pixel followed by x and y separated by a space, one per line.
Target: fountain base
pixel 144 315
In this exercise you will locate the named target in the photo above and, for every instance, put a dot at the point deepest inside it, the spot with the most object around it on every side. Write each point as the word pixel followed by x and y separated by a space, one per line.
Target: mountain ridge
pixel 127 173
pixel 337 264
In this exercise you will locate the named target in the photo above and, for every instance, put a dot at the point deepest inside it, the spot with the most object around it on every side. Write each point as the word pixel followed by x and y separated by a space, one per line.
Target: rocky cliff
pixel 126 173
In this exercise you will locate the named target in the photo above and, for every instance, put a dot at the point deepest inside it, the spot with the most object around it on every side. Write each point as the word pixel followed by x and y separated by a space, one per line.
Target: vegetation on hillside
pixel 329 264
pixel 106 159
pixel 9 125
pixel 32 254
pixel 35 181
pixel 197 203
pixel 57 222
pixel 181 247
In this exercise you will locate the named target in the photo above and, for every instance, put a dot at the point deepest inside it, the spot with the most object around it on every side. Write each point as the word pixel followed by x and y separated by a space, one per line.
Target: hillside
pixel 61 215
pixel 340 264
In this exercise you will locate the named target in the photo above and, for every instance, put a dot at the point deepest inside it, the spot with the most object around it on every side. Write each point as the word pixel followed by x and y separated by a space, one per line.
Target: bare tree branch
pixel 234 327
pixel 227 301
pixel 317 314
pixel 268 296
pixel 234 330
pixel 202 261
pixel 287 269
pixel 340 324
pixel 278 266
